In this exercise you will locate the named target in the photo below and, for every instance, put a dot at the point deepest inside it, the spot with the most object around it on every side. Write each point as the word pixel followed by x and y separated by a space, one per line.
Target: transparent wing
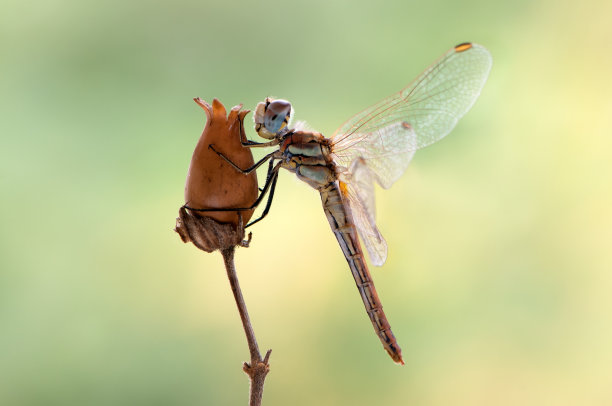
pixel 387 151
pixel 358 191
pixel 302 126
pixel 387 133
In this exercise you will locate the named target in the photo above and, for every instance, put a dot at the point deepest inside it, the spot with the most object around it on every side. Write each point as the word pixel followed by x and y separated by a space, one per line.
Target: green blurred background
pixel 498 282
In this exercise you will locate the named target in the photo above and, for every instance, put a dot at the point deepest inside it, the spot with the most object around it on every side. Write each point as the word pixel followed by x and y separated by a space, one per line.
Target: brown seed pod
pixel 208 234
pixel 211 181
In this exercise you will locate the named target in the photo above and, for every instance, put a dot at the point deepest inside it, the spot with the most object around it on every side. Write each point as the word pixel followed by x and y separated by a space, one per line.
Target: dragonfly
pixel 374 146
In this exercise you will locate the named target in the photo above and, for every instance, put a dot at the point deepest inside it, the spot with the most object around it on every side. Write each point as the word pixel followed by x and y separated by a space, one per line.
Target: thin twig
pixel 258 368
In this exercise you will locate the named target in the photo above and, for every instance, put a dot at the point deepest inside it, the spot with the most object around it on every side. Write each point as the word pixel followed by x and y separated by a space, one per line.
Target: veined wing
pixel 357 187
pixel 302 126
pixel 387 133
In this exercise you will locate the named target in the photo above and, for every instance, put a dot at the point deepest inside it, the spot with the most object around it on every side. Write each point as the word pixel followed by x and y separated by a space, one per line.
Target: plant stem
pixel 258 368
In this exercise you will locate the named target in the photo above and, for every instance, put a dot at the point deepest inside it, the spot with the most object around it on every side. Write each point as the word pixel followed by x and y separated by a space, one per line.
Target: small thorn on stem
pixel 267 357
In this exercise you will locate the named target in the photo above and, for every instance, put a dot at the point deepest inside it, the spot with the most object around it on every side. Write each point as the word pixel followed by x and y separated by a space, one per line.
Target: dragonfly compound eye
pixel 277 115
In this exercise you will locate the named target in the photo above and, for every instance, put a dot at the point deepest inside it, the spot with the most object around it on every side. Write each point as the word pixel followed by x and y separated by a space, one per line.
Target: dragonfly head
pixel 271 116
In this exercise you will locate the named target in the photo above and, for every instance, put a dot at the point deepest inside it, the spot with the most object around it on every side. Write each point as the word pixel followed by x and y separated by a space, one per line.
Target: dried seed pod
pixel 208 234
pixel 212 182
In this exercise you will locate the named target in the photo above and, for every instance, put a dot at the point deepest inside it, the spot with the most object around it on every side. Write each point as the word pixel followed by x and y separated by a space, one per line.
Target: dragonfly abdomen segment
pixel 341 222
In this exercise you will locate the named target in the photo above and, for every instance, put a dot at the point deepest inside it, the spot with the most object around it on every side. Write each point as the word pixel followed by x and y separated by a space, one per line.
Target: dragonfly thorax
pixel 307 154
pixel 271 116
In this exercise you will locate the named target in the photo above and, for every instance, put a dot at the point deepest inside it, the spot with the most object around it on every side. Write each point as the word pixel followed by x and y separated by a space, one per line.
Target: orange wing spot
pixel 463 47
pixel 343 188
pixel 406 125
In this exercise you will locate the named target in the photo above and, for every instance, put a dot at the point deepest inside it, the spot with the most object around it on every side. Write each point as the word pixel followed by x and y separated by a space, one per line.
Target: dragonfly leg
pixel 270 185
pixel 269 202
pixel 272 174
pixel 244 171
pixel 219 209
pixel 249 143
pixel 253 144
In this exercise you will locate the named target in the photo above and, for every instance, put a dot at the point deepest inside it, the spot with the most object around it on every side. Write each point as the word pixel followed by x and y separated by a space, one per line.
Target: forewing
pixel 388 133
pixel 387 151
pixel 359 194
pixel 302 126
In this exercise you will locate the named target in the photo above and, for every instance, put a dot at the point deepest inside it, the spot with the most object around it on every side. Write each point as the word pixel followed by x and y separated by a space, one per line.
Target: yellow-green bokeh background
pixel 498 283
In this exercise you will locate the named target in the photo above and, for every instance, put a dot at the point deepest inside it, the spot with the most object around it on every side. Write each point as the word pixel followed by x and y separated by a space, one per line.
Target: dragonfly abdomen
pixel 341 222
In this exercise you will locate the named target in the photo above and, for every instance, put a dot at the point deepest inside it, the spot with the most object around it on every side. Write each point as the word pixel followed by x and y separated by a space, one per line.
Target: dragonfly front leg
pixel 253 144
pixel 244 171
pixel 270 183
pixel 272 180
